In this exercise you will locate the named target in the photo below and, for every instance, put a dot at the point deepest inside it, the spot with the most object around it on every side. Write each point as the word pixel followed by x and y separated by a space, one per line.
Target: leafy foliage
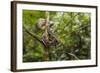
pixel 71 29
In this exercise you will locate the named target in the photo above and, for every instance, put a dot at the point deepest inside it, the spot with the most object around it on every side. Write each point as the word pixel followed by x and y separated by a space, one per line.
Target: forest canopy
pixel 56 35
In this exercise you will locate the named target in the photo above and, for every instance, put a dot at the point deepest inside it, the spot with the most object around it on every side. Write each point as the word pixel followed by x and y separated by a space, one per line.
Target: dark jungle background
pixel 69 35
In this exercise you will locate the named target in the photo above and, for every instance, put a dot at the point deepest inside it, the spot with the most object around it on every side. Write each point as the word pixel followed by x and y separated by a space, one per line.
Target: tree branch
pixel 33 35
pixel 81 28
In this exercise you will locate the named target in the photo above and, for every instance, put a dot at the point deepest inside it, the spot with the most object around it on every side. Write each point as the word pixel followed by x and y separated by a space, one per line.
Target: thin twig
pixel 73 56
